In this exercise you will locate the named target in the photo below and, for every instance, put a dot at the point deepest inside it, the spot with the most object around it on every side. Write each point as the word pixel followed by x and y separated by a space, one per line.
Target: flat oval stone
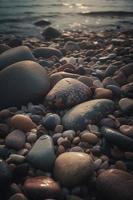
pixel 118 139
pixel 68 92
pixel 15 139
pixel 89 137
pixel 14 55
pixel 41 187
pixel 73 168
pixel 101 93
pixel 22 122
pixel 88 112
pixel 115 184
pixel 47 52
pixel 126 105
pixel 42 154
pixel 27 81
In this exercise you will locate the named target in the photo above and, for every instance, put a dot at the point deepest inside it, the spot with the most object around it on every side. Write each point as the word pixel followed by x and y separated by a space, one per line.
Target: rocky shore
pixel 66 116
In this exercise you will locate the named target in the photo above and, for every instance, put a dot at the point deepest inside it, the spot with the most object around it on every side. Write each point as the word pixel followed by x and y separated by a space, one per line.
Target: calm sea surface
pixel 18 16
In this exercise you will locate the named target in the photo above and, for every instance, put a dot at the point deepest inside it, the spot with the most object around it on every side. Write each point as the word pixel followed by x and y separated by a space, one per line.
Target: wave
pixel 107 13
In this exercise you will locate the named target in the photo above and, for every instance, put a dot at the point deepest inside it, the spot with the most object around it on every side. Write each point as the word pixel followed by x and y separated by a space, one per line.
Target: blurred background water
pixel 18 16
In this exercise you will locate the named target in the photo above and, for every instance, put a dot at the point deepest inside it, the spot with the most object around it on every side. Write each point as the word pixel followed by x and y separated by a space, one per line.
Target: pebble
pixel 67 93
pixel 47 52
pixel 31 138
pixel 15 139
pixel 111 185
pixel 51 33
pixel 22 122
pixel 71 46
pixel 14 55
pixel 127 130
pixel 16 159
pixel 101 93
pixel 91 138
pixel 68 169
pixel 42 155
pixel 126 105
pixel 50 121
pixel 41 187
pixel 36 82
pixel 92 111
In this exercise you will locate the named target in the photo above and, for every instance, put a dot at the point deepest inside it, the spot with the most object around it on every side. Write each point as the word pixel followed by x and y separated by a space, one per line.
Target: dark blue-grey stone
pixel 14 55
pixel 47 52
pixel 22 82
pixel 42 155
pixel 88 112
pixel 118 139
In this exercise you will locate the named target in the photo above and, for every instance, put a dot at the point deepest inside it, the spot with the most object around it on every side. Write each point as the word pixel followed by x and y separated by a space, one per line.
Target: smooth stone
pixel 88 112
pixel 118 139
pixel 127 69
pixel 18 196
pixel 5 175
pixel 27 81
pixel 42 155
pixel 115 184
pixel 116 91
pixel 51 33
pixel 127 89
pixel 54 78
pixel 127 130
pixel 71 46
pixel 110 70
pixel 108 122
pixel 22 122
pixel 41 187
pixel 3 48
pixel 15 139
pixel 16 159
pixel 73 168
pixel 68 92
pixel 14 55
pixel 42 23
pixel 4 152
pixel 47 52
pixel 91 138
pixel 86 80
pixel 101 93
pixel 50 121
pixel 126 105
pixel 120 78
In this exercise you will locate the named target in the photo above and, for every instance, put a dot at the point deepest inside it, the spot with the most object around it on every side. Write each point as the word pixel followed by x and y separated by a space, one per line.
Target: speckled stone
pixel 88 112
pixel 68 92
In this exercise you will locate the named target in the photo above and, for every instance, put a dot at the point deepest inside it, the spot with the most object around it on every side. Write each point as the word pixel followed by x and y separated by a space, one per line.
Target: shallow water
pixel 18 17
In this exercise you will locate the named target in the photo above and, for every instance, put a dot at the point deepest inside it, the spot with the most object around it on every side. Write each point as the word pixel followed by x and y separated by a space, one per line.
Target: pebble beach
pixel 66 123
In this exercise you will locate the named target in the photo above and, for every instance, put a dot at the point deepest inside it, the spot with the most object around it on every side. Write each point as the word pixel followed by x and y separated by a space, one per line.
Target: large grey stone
pixel 115 185
pixel 68 92
pixel 14 55
pixel 42 154
pixel 47 52
pixel 88 112
pixel 22 82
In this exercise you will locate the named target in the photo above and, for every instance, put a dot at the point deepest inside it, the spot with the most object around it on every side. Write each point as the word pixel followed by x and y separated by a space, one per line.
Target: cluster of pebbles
pixel 66 123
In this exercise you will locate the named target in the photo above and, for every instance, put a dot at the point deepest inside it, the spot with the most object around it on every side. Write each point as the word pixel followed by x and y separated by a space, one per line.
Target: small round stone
pixel 89 137
pixel 101 93
pixel 22 122
pixel 127 130
pixel 31 138
pixel 50 121
pixel 15 139
pixel 17 159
